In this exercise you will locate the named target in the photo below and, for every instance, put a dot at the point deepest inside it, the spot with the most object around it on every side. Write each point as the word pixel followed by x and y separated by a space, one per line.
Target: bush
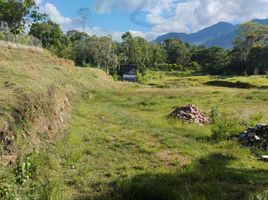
pixel 194 66
pixel 224 125
pixel 149 76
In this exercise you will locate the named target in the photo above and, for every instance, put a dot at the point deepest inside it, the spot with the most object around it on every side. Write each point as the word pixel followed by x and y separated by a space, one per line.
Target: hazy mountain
pixel 221 34
pixel 261 21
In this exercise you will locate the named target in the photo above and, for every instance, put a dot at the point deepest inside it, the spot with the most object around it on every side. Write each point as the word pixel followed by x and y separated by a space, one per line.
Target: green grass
pixel 187 79
pixel 118 143
pixel 123 147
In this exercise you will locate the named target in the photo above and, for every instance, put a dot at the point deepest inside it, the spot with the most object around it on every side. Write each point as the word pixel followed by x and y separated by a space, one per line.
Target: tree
pixel 157 55
pixel 134 50
pixel 177 52
pixel 77 36
pixel 250 35
pixel 127 50
pixel 51 36
pixel 214 60
pixel 15 15
pixel 257 60
pixel 97 52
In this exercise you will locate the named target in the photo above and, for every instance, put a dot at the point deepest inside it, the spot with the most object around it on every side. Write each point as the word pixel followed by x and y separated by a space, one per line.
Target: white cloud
pixel 38 2
pixel 189 15
pixel 193 15
pixel 168 15
pixel 68 24
pixel 55 15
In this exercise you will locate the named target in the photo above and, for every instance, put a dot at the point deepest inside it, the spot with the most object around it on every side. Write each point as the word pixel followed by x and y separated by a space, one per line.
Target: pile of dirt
pixel 190 113
pixel 256 137
pixel 8 149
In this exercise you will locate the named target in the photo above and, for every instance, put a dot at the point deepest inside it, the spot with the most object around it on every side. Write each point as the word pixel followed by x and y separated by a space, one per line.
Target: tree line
pixel 248 56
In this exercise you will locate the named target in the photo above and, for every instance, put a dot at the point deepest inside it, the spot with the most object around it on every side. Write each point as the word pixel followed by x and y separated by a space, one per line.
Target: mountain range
pixel 221 34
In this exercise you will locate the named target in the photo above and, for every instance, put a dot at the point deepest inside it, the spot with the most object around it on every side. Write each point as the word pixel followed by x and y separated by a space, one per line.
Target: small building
pixel 128 72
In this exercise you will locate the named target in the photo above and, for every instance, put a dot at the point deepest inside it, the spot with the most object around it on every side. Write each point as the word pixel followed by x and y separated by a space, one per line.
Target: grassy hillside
pixel 117 142
pixel 36 94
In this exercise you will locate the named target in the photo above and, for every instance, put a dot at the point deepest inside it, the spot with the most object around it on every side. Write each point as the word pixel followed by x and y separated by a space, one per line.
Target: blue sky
pixel 117 19
pixel 151 18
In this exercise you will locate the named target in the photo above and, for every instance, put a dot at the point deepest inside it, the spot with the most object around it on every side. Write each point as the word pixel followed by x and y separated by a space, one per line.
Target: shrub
pixel 149 75
pixel 194 66
pixel 24 171
pixel 224 125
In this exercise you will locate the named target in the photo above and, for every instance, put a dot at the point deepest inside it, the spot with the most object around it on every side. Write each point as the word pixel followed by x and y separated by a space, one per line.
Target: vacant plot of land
pixel 118 143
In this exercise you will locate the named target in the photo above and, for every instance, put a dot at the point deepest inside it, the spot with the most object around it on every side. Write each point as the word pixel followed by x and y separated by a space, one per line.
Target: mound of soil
pixel 190 113
pixel 256 137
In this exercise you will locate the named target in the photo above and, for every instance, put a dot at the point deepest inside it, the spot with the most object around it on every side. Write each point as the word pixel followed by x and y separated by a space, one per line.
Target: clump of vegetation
pixel 150 76
pixel 7 191
pixel 224 125
pixel 24 171
pixel 254 119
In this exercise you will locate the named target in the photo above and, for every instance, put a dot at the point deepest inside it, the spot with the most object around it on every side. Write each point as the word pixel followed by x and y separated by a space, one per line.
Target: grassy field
pixel 118 143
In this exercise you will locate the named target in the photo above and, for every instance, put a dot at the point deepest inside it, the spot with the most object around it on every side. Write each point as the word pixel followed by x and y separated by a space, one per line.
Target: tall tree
pixel 177 52
pixel 51 36
pixel 15 15
pixel 97 52
pixel 257 60
pixel 134 50
pixel 77 36
pixel 250 35
pixel 157 55
pixel 214 60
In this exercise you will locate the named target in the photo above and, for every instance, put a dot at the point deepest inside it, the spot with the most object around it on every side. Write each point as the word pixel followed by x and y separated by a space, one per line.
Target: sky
pixel 150 18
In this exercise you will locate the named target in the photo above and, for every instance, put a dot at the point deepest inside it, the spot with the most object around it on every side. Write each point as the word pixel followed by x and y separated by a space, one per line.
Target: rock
pixel 265 158
pixel 256 137
pixel 190 113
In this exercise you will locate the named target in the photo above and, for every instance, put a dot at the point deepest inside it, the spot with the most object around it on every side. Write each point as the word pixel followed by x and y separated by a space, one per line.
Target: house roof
pixel 128 69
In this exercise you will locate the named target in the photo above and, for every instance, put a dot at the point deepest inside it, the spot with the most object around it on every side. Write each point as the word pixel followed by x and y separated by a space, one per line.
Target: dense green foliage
pixel 16 14
pixel 177 52
pixel 98 52
pixel 246 58
pixel 51 36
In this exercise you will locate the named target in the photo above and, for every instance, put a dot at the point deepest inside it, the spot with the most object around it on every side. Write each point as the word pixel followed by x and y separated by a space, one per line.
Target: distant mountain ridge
pixel 221 34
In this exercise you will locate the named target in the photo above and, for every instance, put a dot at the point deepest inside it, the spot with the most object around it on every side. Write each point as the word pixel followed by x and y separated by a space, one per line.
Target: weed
pixel 224 125
pixel 24 171
pixel 255 118
pixel 7 191
pixel 52 190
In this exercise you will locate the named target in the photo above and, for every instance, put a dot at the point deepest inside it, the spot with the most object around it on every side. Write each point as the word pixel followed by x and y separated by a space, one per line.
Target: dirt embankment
pixel 36 90
pixel 37 119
